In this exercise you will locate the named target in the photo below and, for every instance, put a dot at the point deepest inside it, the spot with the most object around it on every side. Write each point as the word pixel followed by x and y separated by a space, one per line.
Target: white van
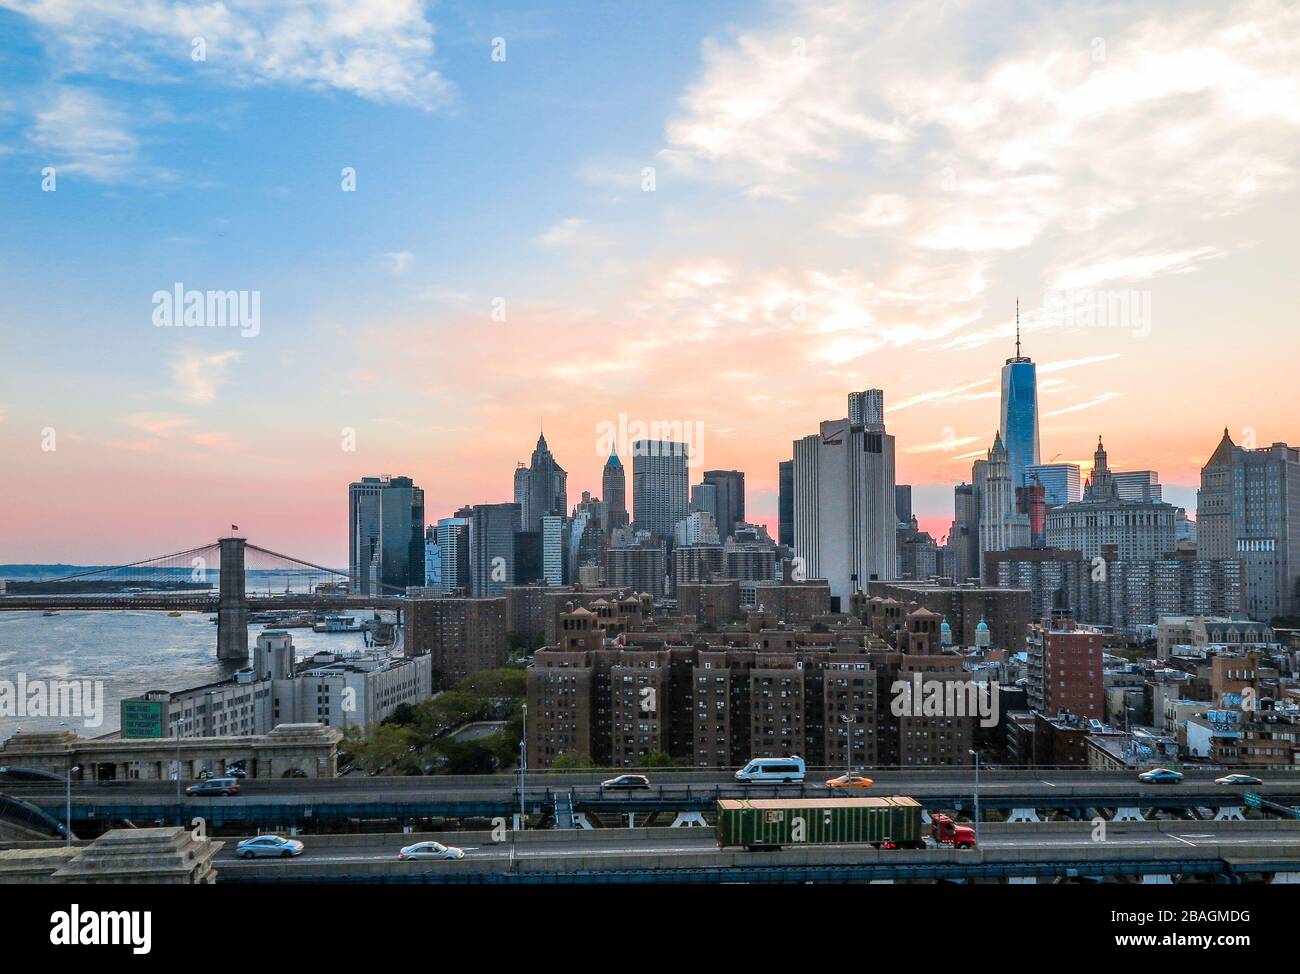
pixel 781 770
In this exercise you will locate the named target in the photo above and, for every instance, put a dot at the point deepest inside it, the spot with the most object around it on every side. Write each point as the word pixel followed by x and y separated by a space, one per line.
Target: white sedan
pixel 1238 779
pixel 431 850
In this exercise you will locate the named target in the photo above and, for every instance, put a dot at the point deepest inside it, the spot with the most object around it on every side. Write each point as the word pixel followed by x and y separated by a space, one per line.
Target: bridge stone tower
pixel 232 603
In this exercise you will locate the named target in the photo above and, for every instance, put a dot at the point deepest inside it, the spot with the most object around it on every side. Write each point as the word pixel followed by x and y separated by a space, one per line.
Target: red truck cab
pixel 947 832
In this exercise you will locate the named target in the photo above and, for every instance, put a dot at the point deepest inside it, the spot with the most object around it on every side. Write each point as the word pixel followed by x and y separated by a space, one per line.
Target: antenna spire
pixel 1017 327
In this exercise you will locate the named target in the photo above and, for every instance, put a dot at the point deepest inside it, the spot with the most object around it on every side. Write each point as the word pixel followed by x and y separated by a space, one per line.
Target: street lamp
pixel 977 797
pixel 71 771
pixel 523 767
pixel 847 720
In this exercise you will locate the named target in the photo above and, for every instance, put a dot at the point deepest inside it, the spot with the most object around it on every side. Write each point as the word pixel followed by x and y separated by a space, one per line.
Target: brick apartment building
pixel 1006 611
pixel 1065 665
pixel 825 696
pixel 462 635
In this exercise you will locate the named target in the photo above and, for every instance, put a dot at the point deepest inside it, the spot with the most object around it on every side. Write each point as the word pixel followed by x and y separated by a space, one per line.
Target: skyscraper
pixel 1001 527
pixel 730 485
pixel 903 503
pixel 555 549
pixel 660 485
pixel 1061 482
pixel 385 535
pixel 1137 485
pixel 447 555
pixel 492 530
pixel 844 519
pixel 704 498
pixel 543 486
pixel 1248 508
pixel 785 503
pixel 964 537
pixel 1019 426
pixel 613 486
pixel 867 408
pixel 1138 530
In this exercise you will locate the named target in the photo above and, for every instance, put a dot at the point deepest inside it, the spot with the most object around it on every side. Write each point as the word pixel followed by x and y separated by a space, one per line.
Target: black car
pixel 626 782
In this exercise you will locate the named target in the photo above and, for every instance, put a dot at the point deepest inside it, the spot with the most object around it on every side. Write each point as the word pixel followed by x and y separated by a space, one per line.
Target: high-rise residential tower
pixel 555 549
pixel 867 408
pixel 844 519
pixel 385 535
pixel 1019 426
pixel 660 485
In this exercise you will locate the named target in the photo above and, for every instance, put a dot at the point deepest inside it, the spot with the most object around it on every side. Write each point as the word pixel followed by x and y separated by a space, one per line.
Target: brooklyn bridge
pixel 229 577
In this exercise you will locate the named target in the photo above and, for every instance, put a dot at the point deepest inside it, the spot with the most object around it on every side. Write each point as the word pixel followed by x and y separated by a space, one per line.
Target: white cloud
pixel 1063 364
pixel 982 131
pixel 1130 269
pixel 78 132
pixel 1078 406
pixel 573 233
pixel 197 376
pixel 398 261
pixel 380 50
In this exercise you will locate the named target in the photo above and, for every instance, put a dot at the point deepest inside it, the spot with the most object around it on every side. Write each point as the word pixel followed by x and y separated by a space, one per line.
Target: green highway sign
pixel 144 718
pixel 1252 800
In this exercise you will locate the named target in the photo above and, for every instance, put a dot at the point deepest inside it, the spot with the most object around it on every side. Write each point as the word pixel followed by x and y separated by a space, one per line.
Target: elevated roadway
pixel 301 802
pixel 1058 850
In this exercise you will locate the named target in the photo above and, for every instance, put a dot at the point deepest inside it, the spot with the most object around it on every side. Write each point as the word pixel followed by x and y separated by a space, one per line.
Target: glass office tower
pixel 1020 415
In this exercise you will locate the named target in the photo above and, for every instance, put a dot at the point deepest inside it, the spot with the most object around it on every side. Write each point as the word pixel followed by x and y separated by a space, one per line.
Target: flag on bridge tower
pixel 234 527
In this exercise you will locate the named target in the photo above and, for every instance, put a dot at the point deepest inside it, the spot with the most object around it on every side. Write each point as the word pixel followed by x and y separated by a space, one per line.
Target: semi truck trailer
pixel 886 823
pixel 770 823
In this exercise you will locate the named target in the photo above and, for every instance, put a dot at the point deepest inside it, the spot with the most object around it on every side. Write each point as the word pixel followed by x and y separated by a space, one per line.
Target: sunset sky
pixel 730 214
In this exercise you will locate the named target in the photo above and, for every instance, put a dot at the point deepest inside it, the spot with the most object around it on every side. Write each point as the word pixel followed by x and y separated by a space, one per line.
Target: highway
pixel 609 842
pixel 325 805
pixel 585 785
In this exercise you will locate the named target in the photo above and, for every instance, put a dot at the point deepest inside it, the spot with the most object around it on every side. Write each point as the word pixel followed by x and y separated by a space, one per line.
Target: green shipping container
pixel 816 821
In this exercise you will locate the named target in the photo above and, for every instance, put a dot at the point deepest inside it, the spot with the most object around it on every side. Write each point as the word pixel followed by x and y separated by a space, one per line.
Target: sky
pixel 451 227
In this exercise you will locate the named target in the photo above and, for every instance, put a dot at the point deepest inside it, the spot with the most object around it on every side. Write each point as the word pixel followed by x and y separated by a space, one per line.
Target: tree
pixel 493 684
pixel 659 759
pixel 403 715
pixel 466 757
pixel 449 709
pixel 572 761
pixel 385 748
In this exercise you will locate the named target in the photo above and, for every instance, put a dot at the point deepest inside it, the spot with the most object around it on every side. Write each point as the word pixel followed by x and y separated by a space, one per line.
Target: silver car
pixel 269 845
pixel 431 850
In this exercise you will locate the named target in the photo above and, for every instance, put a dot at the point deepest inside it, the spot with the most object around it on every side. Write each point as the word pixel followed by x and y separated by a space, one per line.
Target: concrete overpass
pixel 1148 852
pixel 309 803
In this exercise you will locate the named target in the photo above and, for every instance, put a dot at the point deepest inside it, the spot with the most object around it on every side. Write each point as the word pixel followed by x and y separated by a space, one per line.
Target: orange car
pixel 850 782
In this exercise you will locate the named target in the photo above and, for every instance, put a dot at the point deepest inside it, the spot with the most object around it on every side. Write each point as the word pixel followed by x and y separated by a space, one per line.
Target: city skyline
pixel 782 204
